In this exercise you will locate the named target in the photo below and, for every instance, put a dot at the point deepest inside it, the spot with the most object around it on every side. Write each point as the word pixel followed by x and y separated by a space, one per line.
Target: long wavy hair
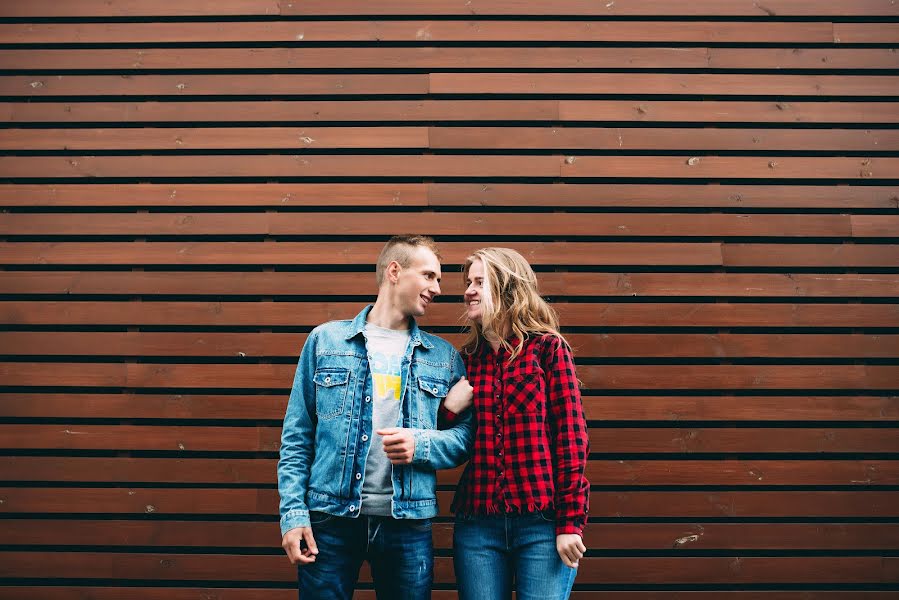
pixel 511 306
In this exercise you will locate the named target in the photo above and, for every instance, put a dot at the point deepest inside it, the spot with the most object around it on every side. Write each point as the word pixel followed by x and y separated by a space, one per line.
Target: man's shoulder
pixel 332 328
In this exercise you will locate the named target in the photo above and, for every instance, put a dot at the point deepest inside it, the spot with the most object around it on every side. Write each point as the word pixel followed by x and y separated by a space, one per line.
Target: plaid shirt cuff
pixel 563 527
pixel 446 417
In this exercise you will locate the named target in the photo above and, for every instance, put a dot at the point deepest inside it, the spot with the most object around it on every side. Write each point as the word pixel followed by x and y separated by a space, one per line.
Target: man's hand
pixel 291 544
pixel 399 444
pixel 571 548
pixel 459 397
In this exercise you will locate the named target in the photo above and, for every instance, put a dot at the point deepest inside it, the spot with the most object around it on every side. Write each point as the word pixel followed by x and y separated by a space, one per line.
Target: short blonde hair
pixel 511 305
pixel 399 248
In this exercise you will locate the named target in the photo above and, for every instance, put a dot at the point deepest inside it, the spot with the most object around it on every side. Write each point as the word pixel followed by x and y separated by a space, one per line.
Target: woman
pixel 521 504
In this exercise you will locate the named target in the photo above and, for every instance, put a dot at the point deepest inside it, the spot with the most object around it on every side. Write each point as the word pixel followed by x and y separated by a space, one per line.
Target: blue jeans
pixel 399 551
pixel 492 552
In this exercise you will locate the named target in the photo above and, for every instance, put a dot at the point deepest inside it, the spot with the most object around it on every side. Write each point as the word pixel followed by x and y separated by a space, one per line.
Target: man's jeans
pixel 400 552
pixel 491 552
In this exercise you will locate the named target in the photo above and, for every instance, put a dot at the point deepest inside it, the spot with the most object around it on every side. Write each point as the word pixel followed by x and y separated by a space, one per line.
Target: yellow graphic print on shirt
pixel 385 373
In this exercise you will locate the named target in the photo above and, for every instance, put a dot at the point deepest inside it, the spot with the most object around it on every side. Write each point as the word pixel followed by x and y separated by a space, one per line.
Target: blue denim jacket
pixel 328 426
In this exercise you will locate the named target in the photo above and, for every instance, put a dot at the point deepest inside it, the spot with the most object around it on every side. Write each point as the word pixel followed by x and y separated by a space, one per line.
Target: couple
pixel 377 406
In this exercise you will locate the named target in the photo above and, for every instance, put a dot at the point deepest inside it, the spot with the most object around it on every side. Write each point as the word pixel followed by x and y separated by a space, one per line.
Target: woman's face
pixel 474 292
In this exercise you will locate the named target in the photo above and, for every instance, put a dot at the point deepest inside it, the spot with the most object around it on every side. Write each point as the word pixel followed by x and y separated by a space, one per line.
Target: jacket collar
pixel 358 326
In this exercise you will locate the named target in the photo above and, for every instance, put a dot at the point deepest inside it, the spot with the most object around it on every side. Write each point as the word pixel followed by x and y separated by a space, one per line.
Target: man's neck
pixel 384 315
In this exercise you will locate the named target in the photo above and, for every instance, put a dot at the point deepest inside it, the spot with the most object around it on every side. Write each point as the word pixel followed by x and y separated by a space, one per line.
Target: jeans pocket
pixel 547 515
pixel 317 519
pixel 419 524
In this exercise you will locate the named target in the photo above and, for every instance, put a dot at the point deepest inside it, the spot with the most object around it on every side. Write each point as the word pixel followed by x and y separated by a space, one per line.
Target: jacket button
pixel 327 380
pixel 352 508
pixel 434 390
pixel 368 398
pixel 358 475
pixel 364 438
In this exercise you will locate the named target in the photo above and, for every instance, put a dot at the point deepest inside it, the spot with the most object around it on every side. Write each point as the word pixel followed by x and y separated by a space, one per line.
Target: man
pixel 360 448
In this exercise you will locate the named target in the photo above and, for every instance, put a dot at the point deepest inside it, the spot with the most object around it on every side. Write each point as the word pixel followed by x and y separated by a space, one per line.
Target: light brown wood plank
pixel 865 33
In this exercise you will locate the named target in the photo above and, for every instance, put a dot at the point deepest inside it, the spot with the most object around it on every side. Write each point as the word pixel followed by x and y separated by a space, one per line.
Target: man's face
pixel 418 284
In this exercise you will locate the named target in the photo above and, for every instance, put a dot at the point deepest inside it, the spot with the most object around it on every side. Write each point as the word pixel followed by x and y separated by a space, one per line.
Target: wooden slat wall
pixel 708 189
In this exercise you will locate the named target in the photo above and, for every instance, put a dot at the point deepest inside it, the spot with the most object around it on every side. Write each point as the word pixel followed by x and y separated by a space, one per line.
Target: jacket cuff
pixel 292 519
pixel 422 453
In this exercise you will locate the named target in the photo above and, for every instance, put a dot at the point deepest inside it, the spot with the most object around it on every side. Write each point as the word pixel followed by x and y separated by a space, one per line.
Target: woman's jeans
pixel 399 551
pixel 492 552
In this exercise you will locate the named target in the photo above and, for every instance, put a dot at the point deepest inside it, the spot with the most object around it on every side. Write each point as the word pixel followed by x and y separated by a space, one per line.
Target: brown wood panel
pixel 865 33
pixel 164 138
pixel 449 194
pixel 598 536
pixel 606 408
pixel 761 167
pixel 606 345
pixel 422 58
pixel 708 111
pixel 318 165
pixel 691 504
pixel 445 31
pixel 649 195
pixel 736 408
pixel 772 8
pixel 233 194
pixel 297 314
pixel 653 83
pixel 219 593
pixel 865 226
pixel 346 110
pixel 200 85
pixel 445 223
pixel 811 255
pixel 151 283
pixel 840 569
pixel 802 58
pixel 508 138
pixel 722 111
pixel 690 440
pixel 606 440
pixel 606 377
pixel 631 138
pixel 361 253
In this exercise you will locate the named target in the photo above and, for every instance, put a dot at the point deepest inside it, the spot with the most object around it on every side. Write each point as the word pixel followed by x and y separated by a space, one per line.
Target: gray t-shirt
pixel 386 348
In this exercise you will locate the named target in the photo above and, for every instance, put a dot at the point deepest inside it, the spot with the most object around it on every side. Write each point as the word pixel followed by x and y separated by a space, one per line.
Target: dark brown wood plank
pixel 444 223
pixel 606 345
pixel 654 83
pixel 445 31
pixel 597 536
pixel 108 565
pixel 811 255
pixel 360 253
pixel 708 111
pixel 865 226
pixel 152 283
pixel 129 8
pixel 200 85
pixel 296 314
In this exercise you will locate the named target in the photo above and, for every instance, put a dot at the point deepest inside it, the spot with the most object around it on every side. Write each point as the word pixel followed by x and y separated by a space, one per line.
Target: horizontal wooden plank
pixel 297 314
pixel 557 284
pixel 745 8
pixel 200 85
pixel 447 223
pixel 505 138
pixel 450 194
pixel 605 440
pixel 811 255
pixel 365 253
pixel 606 408
pixel 606 377
pixel 632 504
pixel 452 165
pixel 219 593
pixel 708 111
pixel 653 83
pixel 200 567
pixel 597 536
pixel 605 345
pixel 457 58
pixel 447 31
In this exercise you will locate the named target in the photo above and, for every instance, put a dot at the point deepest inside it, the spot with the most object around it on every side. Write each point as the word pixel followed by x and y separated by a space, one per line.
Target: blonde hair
pixel 511 306
pixel 399 248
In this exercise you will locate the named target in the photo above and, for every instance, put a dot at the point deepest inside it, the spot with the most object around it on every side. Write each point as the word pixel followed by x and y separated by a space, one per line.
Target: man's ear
pixel 393 271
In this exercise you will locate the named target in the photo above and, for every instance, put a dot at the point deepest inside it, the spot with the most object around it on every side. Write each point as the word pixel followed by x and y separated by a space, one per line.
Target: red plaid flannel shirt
pixel 530 448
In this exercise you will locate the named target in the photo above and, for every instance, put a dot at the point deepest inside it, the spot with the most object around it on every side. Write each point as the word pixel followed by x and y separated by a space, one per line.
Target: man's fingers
pixel 387 431
pixel 311 547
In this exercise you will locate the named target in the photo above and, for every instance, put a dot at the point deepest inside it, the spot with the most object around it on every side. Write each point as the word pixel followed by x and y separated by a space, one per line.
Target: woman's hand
pixel 571 548
pixel 459 397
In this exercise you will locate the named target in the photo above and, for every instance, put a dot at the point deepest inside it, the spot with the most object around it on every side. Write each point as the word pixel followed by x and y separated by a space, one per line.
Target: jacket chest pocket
pixel 524 393
pixel 431 393
pixel 331 386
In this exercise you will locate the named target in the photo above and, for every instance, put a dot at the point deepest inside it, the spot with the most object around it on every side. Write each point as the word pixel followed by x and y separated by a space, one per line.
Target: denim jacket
pixel 328 426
